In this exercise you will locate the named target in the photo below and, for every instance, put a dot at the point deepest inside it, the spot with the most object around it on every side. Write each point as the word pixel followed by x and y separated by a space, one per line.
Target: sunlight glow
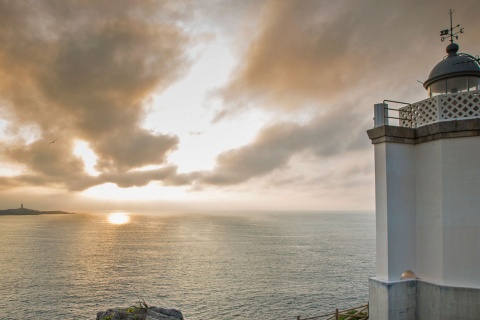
pixel 83 151
pixel 118 218
pixel 152 191
pixel 11 169
pixel 190 115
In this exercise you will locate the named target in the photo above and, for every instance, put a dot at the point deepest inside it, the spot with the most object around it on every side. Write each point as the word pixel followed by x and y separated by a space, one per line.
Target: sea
pixel 209 265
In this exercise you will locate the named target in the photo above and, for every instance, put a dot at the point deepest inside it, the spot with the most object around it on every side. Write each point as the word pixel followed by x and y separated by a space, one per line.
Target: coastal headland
pixel 28 212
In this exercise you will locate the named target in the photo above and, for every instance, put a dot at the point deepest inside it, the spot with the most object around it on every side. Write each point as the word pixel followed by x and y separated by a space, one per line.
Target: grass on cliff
pixel 134 312
pixel 352 315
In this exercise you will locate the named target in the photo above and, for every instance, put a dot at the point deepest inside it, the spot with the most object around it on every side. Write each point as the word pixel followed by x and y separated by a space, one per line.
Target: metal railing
pixel 461 105
pixel 401 117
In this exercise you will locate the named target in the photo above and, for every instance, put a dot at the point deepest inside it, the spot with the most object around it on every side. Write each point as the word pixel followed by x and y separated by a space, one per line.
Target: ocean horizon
pixel 209 265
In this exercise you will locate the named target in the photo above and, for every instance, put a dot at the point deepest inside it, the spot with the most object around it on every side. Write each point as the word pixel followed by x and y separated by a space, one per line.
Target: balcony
pixel 461 105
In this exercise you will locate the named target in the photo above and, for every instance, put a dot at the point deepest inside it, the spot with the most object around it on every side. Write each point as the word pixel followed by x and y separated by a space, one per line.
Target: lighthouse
pixel 427 190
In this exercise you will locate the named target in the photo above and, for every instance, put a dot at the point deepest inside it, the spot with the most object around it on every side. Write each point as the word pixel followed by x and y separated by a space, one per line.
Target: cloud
pixel 45 159
pixel 325 136
pixel 336 58
pixel 315 52
pixel 82 70
pixel 168 175
pixel 284 65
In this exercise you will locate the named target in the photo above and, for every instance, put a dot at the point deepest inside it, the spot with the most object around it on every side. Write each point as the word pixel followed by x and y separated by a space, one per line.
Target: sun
pixel 118 218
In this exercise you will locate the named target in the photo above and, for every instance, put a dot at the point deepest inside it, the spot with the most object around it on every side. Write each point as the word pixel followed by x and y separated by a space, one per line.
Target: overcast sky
pixel 161 105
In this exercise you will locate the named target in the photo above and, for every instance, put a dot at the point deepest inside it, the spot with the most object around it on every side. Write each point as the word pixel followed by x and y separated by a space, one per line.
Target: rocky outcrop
pixel 142 312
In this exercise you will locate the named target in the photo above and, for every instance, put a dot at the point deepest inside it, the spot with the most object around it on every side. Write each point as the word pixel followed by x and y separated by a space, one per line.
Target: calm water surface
pixel 210 266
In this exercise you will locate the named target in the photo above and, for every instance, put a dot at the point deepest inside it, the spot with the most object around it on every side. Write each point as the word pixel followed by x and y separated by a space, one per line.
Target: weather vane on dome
pixel 451 32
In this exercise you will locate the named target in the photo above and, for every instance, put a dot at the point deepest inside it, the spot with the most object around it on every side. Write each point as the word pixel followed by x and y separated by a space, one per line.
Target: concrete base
pixel 392 300
pixel 416 299
pixel 441 302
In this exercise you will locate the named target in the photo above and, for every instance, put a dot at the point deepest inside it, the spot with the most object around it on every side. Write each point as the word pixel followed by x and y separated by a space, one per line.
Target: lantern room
pixel 457 72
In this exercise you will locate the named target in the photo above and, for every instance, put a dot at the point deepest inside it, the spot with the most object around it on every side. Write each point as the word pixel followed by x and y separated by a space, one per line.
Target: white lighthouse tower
pixel 427 188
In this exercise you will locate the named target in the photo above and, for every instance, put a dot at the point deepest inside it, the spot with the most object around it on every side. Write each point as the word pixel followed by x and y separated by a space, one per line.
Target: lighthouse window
pixel 438 87
pixel 457 84
pixel 473 83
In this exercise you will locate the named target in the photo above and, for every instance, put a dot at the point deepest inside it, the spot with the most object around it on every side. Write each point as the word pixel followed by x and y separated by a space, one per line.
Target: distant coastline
pixel 28 212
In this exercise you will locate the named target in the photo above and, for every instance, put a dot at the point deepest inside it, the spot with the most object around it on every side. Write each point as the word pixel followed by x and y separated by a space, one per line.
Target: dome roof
pixel 455 64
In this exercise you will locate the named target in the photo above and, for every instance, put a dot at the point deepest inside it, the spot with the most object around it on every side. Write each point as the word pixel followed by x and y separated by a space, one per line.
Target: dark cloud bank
pixel 83 70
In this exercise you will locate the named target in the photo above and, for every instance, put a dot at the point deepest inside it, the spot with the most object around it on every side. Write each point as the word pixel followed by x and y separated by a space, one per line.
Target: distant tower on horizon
pixel 427 190
pixel 21 206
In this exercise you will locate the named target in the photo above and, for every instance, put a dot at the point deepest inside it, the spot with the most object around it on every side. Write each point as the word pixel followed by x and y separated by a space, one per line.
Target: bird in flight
pixel 53 141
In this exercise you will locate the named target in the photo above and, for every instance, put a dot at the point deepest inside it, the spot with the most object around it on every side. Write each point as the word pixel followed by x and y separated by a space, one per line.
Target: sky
pixel 208 104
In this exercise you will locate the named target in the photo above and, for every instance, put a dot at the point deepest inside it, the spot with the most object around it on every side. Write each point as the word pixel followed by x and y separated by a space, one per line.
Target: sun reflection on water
pixel 118 218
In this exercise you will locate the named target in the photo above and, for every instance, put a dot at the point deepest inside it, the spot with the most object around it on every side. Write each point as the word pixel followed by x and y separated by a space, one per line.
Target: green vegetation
pixel 352 315
pixel 135 312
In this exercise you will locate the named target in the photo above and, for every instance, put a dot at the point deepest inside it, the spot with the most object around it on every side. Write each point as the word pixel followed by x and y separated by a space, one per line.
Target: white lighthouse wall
pixel 428 221
pixel 429 202
pixel 461 212
pixel 395 210
pixel 381 212
pixel 448 211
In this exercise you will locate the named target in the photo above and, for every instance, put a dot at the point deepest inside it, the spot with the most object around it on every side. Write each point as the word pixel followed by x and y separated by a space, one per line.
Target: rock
pixel 154 313
pixel 140 313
